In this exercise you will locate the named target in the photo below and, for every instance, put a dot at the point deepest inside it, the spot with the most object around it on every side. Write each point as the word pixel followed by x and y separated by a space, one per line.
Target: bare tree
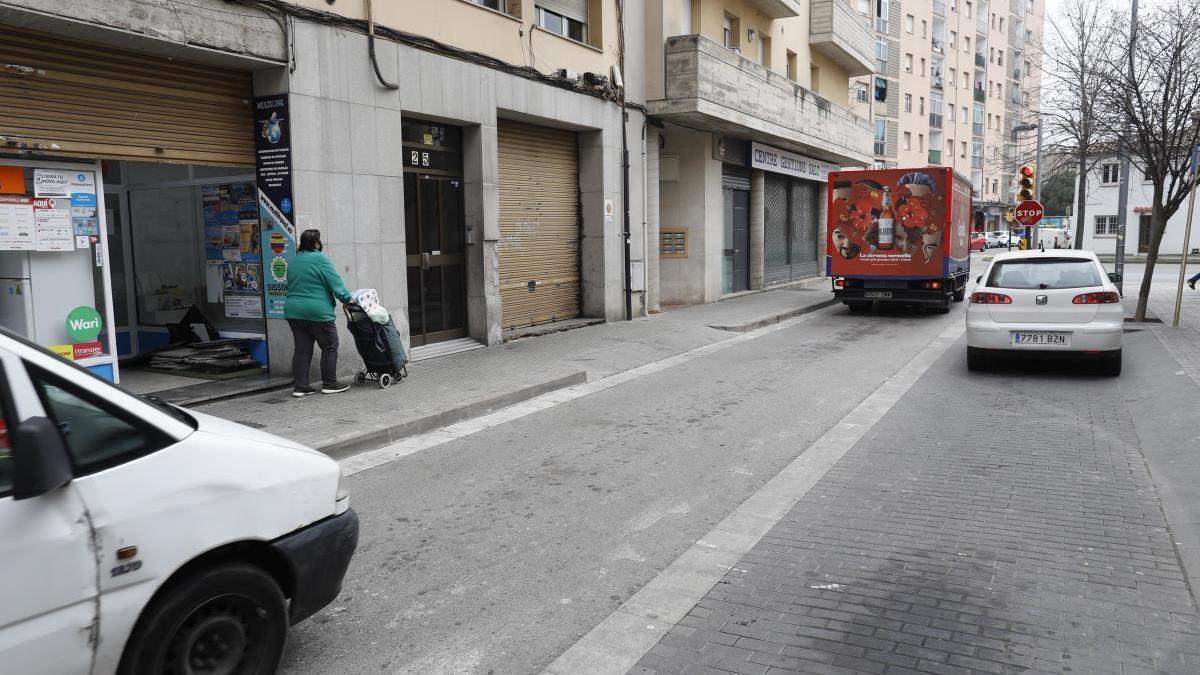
pixel 1074 77
pixel 1154 91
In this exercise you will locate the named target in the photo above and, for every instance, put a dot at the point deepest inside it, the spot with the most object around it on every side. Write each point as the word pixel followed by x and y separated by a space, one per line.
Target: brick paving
pixel 1023 537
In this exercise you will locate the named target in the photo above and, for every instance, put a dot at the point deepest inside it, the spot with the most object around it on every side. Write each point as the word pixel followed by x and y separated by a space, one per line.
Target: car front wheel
pixel 226 619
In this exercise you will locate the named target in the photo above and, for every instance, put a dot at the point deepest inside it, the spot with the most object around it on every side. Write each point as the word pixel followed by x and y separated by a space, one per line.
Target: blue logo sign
pixel 285 205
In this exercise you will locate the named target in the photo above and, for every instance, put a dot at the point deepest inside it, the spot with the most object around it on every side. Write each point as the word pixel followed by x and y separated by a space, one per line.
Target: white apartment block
pixel 952 79
pixel 1103 199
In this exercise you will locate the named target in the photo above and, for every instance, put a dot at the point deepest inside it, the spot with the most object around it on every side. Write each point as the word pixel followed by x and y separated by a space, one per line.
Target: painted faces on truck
pixel 931 243
pixel 845 247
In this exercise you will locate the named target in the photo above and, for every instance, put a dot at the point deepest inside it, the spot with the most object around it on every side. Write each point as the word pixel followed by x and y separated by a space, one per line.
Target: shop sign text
pixel 776 160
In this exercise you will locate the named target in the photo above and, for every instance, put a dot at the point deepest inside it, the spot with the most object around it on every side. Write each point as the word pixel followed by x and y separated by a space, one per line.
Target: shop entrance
pixel 736 268
pixel 434 229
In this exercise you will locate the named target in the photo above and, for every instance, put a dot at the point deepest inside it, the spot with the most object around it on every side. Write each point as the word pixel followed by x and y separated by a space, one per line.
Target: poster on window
pixel 17 229
pixel 52 225
pixel 272 143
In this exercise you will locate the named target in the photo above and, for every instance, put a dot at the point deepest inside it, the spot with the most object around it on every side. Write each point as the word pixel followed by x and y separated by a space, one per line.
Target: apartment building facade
pixel 1103 208
pixel 466 160
pixel 745 98
pixel 954 77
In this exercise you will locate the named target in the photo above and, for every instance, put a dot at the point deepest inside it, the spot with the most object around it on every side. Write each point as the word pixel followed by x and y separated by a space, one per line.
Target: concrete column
pixel 822 226
pixel 758 219
pixel 652 219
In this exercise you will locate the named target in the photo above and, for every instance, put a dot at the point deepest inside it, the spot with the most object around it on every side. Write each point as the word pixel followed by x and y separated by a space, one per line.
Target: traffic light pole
pixel 1037 185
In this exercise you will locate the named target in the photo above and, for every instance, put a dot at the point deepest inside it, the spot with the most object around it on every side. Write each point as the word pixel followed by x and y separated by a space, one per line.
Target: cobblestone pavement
pixel 1001 523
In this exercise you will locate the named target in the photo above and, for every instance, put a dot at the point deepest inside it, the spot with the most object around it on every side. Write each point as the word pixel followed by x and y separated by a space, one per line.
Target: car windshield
pixel 1045 273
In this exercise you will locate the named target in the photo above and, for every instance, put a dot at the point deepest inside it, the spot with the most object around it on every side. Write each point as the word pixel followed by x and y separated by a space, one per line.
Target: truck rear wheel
pixel 960 293
pixel 226 619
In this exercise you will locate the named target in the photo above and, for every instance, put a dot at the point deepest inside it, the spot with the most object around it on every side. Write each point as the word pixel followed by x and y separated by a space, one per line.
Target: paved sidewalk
pixel 460 386
pixel 986 524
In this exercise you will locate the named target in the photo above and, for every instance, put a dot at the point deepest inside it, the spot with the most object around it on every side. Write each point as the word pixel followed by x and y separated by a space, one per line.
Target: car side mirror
pixel 40 460
pixel 1114 277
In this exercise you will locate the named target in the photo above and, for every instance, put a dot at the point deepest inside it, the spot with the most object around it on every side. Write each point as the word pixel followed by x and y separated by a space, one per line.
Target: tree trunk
pixel 1081 201
pixel 1158 223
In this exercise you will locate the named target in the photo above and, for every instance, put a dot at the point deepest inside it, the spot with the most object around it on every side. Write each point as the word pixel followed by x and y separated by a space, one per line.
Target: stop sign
pixel 1029 212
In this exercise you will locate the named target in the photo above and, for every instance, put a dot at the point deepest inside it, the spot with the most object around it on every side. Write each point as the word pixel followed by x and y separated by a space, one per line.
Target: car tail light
pixel 1102 298
pixel 933 284
pixel 839 283
pixel 990 299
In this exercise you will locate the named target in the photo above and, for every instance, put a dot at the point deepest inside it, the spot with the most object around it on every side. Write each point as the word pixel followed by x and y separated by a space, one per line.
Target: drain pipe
pixel 371 48
pixel 625 203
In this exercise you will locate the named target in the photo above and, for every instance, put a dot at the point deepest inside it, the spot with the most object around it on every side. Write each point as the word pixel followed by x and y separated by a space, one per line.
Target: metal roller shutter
pixel 776 263
pixel 68 98
pixel 539 224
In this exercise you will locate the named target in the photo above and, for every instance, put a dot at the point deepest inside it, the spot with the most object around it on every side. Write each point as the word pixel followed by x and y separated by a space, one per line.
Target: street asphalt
pixel 495 552
pixel 1029 519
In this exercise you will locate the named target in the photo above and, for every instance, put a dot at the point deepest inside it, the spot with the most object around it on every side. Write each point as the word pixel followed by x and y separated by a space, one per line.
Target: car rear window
pixel 1045 273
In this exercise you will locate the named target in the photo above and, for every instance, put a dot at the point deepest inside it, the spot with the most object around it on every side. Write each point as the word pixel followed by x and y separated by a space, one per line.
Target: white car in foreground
pixel 1046 304
pixel 142 539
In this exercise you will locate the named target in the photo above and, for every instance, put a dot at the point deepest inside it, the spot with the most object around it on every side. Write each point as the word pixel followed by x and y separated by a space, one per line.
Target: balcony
pixel 836 30
pixel 980 61
pixel 980 94
pixel 710 87
pixel 935 120
pixel 935 156
pixel 777 9
pixel 939 8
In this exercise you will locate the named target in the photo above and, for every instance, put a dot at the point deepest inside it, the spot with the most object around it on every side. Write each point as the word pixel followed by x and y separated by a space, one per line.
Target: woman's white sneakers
pixel 334 387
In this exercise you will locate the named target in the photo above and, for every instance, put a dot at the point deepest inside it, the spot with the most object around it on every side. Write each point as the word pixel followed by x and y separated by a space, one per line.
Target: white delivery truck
pixel 139 538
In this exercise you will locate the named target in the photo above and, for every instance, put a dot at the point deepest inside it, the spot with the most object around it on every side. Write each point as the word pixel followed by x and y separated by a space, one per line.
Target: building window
pixel 922 67
pixel 967 43
pixel 882 11
pixel 964 114
pixel 921 106
pixel 1000 58
pixel 881 55
pixel 864 7
pixel 950 79
pixel 921 142
pixel 574 28
pixel 908 140
pixel 1106 226
pixel 968 8
pixel 951 111
pixel 792 74
pixel 908 103
pixel 731 27
pixel 880 89
pixel 908 23
pixel 764 54
pixel 1110 174
pixel 963 153
pixel 999 90
pixel 860 92
pixel 1001 24
pixel 924 28
pixel 880 137
pixel 908 63
pixel 953 38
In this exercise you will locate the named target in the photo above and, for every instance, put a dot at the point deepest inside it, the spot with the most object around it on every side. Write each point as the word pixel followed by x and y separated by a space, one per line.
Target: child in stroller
pixel 378 344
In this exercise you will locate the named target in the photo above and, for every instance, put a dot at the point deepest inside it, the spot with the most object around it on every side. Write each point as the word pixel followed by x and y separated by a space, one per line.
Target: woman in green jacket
pixel 313 284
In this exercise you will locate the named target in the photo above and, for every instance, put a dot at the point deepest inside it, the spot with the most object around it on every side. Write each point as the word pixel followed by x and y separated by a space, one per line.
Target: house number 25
pixel 420 158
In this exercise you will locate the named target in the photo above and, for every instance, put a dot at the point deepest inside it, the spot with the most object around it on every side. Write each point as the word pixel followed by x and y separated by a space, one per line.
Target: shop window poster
pixel 233 248
pixel 272 144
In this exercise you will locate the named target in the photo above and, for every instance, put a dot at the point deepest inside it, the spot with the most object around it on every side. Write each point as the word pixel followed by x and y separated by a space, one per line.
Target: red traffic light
pixel 1027 171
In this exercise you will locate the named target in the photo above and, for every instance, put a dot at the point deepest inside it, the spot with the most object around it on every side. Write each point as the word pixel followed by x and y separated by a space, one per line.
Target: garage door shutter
pixel 539 225
pixel 68 98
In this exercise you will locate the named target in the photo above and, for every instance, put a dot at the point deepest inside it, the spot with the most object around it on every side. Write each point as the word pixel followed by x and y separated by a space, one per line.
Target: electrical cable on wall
pixel 607 92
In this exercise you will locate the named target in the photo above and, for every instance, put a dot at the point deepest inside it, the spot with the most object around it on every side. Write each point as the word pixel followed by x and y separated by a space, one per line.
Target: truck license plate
pixel 1041 338
pixel 877 294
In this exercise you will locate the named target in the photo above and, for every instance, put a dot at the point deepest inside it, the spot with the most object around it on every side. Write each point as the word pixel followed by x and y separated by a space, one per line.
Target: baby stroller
pixel 371 340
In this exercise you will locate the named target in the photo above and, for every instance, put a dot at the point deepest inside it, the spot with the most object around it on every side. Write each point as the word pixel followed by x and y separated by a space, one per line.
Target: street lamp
pixel 1031 126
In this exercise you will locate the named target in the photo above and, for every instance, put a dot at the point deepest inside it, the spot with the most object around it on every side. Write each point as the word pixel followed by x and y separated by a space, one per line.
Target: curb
pixel 761 323
pixel 381 437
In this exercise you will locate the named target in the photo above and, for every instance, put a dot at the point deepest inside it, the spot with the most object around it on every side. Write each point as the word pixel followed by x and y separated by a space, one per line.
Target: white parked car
pixel 1046 304
pixel 996 238
pixel 139 538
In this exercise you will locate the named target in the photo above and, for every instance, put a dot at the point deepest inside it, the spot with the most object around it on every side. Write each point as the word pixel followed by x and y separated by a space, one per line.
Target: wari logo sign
pixel 781 161
pixel 83 324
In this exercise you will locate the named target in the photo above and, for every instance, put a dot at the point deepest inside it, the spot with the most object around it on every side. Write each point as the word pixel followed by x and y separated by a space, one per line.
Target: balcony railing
pixel 836 30
pixel 881 24
pixel 935 120
pixel 980 60
pixel 976 162
pixel 935 156
pixel 880 148
pixel 939 8
pixel 977 128
pixel 980 95
pixel 709 87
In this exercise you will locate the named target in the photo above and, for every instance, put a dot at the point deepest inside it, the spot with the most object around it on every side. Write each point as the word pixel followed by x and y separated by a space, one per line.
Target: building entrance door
pixel 737 204
pixel 436 258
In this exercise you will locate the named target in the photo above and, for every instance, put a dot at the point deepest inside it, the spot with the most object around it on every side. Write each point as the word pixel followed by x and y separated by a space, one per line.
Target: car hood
pixel 218 426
